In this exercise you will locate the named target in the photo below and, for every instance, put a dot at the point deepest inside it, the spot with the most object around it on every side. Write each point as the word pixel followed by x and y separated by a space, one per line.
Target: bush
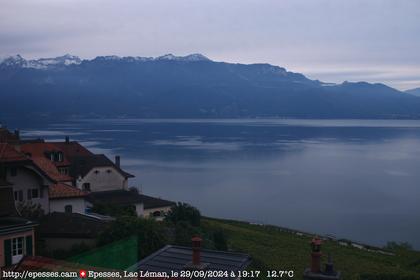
pixel 114 210
pixel 183 212
pixel 220 241
pixel 148 232
pixel 395 246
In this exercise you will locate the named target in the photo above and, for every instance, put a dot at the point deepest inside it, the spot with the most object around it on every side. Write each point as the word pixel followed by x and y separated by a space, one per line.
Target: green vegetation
pixel 117 255
pixel 274 248
pixel 114 210
pixel 270 247
pixel 150 234
pixel 182 212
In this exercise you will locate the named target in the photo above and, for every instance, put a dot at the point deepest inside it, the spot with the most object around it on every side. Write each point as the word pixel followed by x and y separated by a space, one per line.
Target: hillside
pixel 185 87
pixel 414 91
pixel 275 249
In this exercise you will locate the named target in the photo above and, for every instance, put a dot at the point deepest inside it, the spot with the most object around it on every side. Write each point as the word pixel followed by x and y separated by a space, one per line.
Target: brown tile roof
pixel 8 137
pixel 61 190
pixel 9 154
pixel 83 164
pixel 72 149
pixel 71 225
pixel 69 150
pixel 123 197
pixel 49 168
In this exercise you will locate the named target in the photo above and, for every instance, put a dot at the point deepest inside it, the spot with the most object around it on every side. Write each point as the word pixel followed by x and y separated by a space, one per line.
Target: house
pixel 55 156
pixel 71 163
pixel 156 208
pixel 61 231
pixel 16 233
pixel 30 182
pixel 68 199
pixel 181 259
pixel 145 206
pixel 60 175
pixel 97 173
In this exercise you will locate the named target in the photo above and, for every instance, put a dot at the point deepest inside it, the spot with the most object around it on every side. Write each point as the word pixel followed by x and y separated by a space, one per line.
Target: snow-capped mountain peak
pixel 41 63
pixel 191 57
pixel 67 59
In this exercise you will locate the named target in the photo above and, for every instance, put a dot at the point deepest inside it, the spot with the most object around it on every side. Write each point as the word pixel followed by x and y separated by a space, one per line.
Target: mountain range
pixel 191 86
pixel 414 91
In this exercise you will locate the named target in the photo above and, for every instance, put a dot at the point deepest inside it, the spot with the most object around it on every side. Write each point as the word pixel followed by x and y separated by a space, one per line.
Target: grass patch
pixel 274 249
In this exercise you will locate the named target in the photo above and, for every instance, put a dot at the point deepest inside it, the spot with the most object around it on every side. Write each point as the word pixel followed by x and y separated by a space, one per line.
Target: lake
pixel 356 179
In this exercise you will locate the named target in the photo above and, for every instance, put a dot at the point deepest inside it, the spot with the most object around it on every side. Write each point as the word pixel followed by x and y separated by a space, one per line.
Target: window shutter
pixel 29 245
pixel 8 252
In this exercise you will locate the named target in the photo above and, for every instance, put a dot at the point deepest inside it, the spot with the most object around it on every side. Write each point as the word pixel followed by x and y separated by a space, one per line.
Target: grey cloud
pixel 296 34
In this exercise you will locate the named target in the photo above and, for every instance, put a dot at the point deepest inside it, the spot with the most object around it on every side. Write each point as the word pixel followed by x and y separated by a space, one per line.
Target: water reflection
pixel 354 179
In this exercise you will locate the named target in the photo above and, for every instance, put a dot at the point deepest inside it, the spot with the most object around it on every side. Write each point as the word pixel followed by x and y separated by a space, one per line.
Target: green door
pixel 8 252
pixel 29 245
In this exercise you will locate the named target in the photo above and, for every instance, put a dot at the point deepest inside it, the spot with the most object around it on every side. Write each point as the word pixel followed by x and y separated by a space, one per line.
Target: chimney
pixel 315 272
pixel 17 133
pixel 67 139
pixel 316 255
pixel 196 250
pixel 196 264
pixel 117 161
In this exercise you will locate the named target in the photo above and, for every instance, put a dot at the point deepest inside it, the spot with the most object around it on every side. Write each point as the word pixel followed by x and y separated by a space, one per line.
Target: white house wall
pixel 103 180
pixel 26 179
pixel 58 205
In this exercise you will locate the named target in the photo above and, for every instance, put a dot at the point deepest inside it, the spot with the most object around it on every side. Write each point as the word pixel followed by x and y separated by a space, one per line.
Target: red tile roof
pixel 49 168
pixel 9 154
pixel 61 190
pixel 72 149
pixel 69 150
pixel 37 149
pixel 8 137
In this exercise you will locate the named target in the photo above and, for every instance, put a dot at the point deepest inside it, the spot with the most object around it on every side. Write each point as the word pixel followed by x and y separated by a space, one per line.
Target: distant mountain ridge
pixel 191 86
pixel 67 59
pixel 414 91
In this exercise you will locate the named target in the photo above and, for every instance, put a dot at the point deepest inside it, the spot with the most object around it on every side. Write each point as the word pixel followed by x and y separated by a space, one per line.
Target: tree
pixel 114 210
pixel 150 234
pixel 394 246
pixel 186 213
pixel 220 241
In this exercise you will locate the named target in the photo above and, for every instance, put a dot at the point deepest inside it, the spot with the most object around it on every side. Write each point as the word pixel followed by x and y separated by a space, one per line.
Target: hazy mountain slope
pixel 191 86
pixel 414 91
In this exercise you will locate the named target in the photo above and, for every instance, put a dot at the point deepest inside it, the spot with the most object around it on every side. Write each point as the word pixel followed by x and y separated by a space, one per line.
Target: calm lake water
pixel 356 179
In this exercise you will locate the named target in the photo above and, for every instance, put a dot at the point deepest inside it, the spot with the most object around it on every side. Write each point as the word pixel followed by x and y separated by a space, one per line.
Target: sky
pixel 329 40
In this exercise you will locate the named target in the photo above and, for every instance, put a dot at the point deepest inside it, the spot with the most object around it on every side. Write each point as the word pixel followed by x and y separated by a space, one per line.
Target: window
pixel 108 171
pixel 68 209
pixel 18 195
pixel 156 214
pixel 86 187
pixel 96 171
pixel 13 171
pixel 63 171
pixel 33 193
pixel 17 246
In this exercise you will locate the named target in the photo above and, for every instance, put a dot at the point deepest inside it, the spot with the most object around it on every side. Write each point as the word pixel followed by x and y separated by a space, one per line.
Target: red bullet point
pixel 82 273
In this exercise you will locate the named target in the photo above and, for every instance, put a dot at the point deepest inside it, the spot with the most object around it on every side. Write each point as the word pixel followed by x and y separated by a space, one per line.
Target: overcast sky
pixel 330 40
